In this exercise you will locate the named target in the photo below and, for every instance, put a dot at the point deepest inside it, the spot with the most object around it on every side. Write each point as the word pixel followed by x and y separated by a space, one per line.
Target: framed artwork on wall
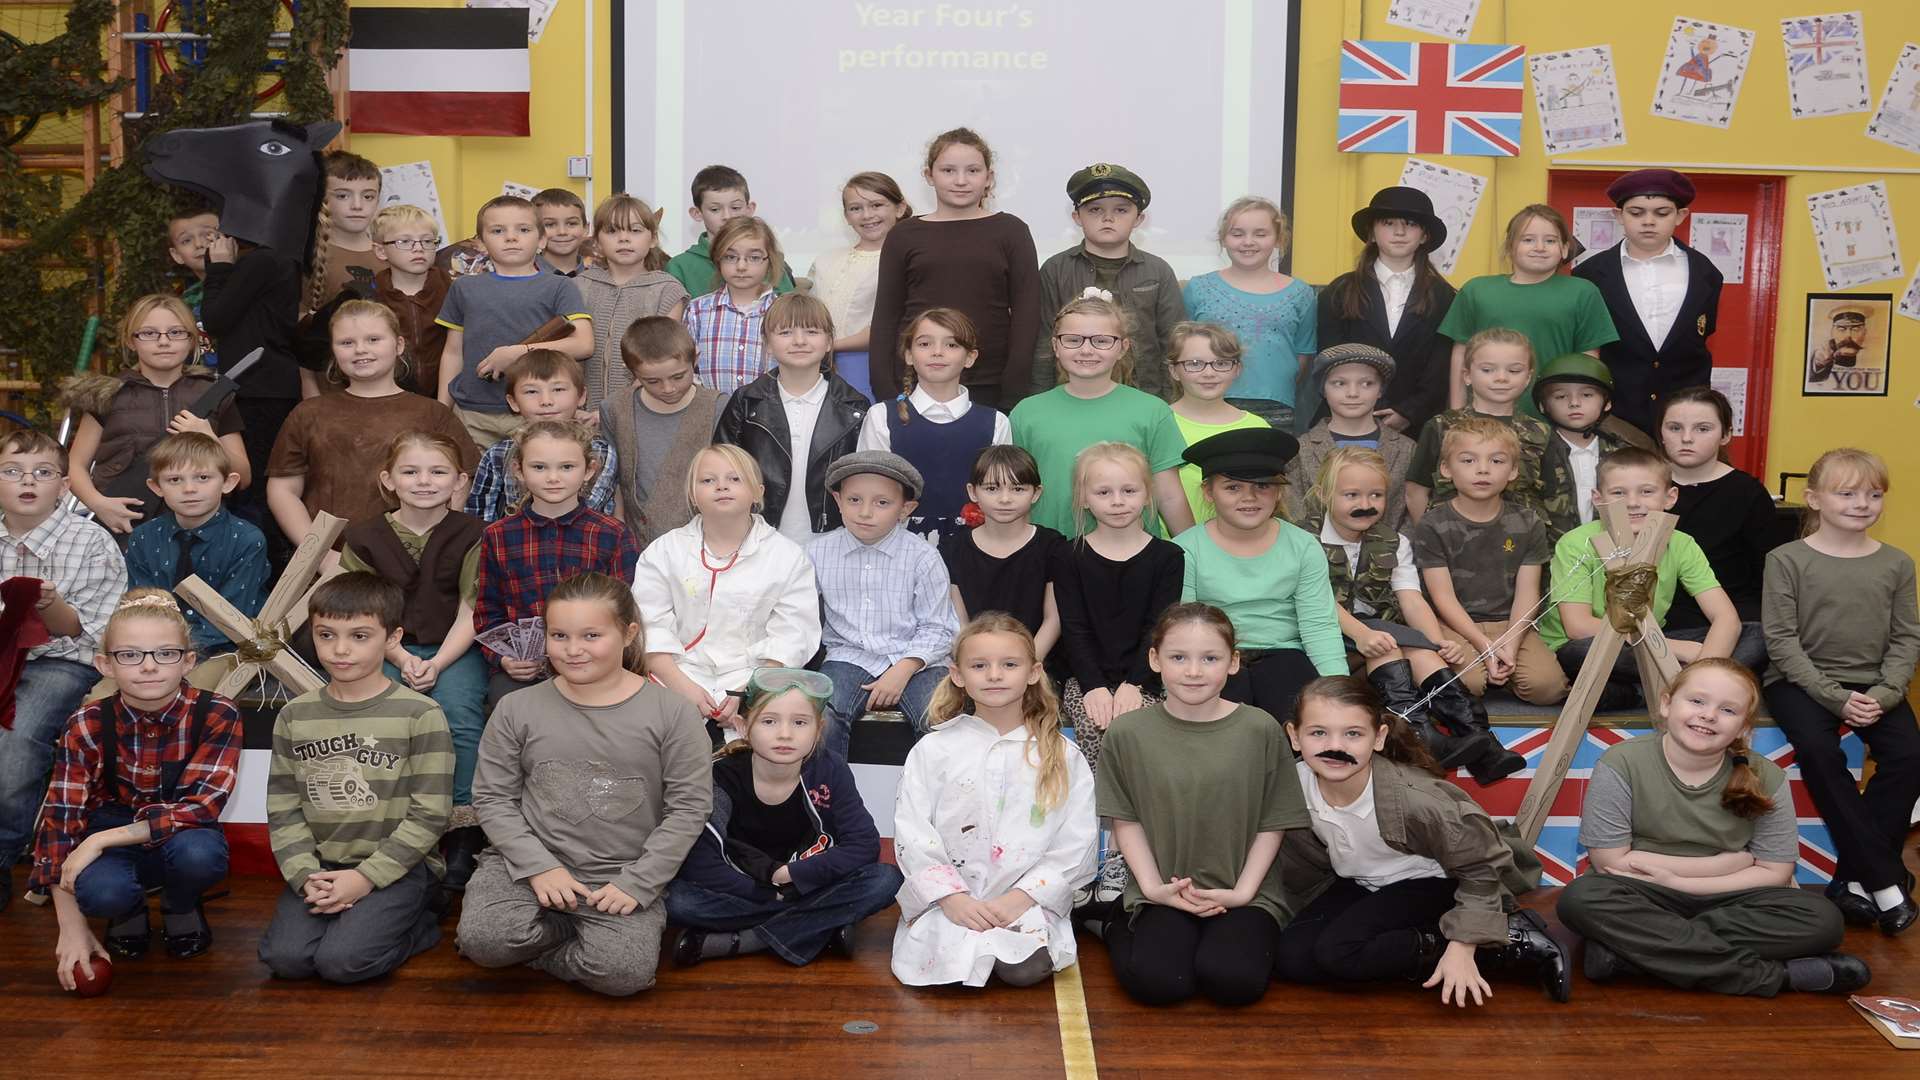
pixel 1847 345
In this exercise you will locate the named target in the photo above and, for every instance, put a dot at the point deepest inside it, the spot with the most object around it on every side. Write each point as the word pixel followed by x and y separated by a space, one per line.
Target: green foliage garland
pixel 47 282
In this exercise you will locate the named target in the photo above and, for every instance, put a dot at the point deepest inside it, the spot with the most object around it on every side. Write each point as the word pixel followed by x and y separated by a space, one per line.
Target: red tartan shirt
pixel 147 741
pixel 524 555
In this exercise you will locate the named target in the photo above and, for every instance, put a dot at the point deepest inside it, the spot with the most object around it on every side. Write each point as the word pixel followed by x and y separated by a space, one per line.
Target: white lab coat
pixel 965 820
pixel 765 606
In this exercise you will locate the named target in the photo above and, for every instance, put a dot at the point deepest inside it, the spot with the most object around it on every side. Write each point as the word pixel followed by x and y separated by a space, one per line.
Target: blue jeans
pixel 46 697
pixel 849 702
pixel 794 930
pixel 461 693
pixel 184 866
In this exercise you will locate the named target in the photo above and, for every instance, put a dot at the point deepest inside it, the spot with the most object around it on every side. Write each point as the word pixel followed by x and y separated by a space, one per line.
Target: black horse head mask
pixel 264 176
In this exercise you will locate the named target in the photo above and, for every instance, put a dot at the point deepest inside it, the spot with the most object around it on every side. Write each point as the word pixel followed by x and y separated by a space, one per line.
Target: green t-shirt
pixel 1192 431
pixel 1580 578
pixel 1635 801
pixel 1281 599
pixel 1563 314
pixel 1055 426
pixel 1153 765
pixel 694 269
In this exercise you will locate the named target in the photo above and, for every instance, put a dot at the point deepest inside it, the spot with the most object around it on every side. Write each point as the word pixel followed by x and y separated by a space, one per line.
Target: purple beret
pixel 1663 182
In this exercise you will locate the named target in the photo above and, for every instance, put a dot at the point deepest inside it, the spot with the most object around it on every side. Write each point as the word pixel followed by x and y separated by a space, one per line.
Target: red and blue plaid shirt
pixel 146 743
pixel 524 555
pixel 727 339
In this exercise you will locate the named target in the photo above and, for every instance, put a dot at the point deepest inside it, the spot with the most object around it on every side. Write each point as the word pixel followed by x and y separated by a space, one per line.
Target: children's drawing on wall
pixel 1910 300
pixel 1456 197
pixel 1597 228
pixel 1722 238
pixel 1854 229
pixel 1826 64
pixel 412 184
pixel 1847 337
pixel 1442 18
pixel 1701 75
pixel 1578 99
pixel 1897 121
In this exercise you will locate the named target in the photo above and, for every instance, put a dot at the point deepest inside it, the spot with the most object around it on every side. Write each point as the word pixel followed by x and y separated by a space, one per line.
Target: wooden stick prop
pixel 263 640
pixel 1628 596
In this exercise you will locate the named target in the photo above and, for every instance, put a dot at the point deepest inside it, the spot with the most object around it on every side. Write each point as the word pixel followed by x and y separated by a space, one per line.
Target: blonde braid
pixel 317 277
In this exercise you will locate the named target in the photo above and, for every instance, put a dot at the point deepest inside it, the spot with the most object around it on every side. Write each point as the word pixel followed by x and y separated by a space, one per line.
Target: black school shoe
pixel 6 888
pixel 1530 948
pixel 1828 973
pixel 463 847
pixel 1857 910
pixel 129 938
pixel 192 943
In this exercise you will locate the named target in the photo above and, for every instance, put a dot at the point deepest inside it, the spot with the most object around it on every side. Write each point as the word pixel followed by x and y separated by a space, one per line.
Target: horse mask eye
pixel 264 177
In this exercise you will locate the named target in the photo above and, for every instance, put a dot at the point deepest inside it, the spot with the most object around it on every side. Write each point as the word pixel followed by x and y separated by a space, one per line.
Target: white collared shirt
pixel 1395 287
pixel 1586 472
pixel 1405 576
pixel 1657 286
pixel 1354 845
pixel 803 412
pixel 876 435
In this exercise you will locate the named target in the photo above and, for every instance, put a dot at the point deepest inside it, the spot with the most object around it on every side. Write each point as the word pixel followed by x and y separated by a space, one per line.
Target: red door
pixel 1748 308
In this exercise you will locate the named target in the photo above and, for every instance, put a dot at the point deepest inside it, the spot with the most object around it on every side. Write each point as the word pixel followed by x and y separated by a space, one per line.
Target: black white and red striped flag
pixel 438 71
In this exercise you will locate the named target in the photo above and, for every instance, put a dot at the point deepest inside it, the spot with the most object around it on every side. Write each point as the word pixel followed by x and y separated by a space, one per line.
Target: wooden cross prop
pixel 263 640
pixel 1658 668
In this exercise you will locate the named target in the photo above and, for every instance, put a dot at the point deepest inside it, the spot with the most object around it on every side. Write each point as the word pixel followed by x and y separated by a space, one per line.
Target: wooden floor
pixel 219 1015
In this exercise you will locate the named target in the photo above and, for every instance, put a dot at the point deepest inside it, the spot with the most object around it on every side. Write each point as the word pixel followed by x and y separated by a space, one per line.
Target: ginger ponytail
pixel 1039 707
pixel 1742 794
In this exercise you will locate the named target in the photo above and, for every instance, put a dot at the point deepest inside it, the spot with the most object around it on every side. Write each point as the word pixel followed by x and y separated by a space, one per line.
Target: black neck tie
pixel 183 564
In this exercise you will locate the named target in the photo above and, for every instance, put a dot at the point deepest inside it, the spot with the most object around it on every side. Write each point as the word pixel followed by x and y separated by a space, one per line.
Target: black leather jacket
pixel 755 420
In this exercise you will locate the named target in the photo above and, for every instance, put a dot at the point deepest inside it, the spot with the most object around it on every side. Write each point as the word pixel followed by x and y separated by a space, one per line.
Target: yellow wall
pixel 1330 184
pixel 469 171
pixel 1762 133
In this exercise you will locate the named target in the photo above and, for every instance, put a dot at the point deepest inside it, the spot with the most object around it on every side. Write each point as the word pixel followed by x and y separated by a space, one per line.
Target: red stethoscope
pixel 713 579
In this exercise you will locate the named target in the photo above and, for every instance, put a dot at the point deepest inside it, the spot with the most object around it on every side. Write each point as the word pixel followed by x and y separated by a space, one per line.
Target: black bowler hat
pixel 1665 183
pixel 1401 202
pixel 1257 454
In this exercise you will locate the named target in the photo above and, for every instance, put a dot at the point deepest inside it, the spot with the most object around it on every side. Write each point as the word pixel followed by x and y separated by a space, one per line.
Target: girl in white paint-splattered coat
pixel 993 825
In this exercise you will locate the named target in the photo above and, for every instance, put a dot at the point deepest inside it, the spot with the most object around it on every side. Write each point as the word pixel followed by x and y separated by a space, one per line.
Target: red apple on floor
pixel 92 976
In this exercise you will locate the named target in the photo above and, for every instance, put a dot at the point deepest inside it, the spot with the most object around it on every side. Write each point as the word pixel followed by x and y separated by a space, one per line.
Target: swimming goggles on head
pixel 778 680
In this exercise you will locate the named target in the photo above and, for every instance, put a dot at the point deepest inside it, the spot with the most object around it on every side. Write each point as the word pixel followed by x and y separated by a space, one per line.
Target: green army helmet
pixel 1573 368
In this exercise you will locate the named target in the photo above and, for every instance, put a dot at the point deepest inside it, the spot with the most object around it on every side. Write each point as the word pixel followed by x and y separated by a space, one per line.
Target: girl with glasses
pixel 1203 360
pixel 121 417
pixel 1091 402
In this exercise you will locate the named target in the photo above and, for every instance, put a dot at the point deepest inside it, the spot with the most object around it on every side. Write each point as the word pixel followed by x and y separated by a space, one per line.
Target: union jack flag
pixel 1406 97
pixel 1558 847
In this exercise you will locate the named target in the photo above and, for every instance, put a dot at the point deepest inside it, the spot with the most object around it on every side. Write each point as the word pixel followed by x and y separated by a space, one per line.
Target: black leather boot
pixel 1531 949
pixel 1467 715
pixel 1446 724
pixel 1394 682
pixel 463 847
